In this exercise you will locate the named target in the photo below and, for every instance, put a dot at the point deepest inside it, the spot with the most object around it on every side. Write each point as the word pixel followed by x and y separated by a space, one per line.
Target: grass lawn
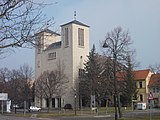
pixel 111 109
pixel 87 111
pixel 45 114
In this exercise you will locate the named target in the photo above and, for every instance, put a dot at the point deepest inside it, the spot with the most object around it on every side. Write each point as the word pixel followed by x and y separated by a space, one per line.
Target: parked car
pixel 15 106
pixel 141 106
pixel 34 108
pixel 68 106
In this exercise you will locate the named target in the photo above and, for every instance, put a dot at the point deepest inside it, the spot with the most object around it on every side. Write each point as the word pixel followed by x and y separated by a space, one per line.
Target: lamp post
pixel 113 51
pixel 75 96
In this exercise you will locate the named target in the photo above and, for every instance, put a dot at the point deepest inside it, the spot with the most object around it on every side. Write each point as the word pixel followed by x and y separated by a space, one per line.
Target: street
pixel 84 117
pixel 3 117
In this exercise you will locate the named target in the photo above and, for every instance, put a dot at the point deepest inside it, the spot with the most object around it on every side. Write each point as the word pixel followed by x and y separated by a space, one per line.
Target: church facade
pixel 69 48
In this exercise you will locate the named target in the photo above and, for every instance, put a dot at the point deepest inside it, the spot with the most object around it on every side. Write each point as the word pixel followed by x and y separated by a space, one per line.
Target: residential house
pixel 142 78
pixel 154 88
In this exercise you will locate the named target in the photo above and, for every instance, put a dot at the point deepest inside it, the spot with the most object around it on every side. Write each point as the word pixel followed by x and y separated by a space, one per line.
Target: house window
pixel 52 56
pixel 157 89
pixel 140 84
pixel 135 84
pixel 66 38
pixel 80 37
pixel 154 90
pixel 141 97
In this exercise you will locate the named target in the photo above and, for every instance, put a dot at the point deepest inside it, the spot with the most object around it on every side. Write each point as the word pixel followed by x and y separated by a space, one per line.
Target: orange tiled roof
pixel 141 74
pixel 138 75
pixel 155 80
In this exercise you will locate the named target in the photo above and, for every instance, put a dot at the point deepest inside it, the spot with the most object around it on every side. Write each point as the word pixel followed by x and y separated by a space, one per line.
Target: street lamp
pixel 113 51
pixel 75 96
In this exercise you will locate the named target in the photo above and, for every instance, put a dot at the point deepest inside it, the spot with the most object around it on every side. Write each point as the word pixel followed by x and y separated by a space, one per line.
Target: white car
pixel 34 108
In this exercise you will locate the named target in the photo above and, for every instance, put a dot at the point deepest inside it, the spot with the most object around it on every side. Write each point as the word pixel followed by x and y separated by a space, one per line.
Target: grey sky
pixel 141 17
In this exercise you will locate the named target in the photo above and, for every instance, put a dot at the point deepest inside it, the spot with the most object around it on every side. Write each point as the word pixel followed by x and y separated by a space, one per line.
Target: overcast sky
pixel 141 17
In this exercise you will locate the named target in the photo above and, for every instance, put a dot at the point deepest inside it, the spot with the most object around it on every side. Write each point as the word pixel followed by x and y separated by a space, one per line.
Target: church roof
pixel 75 22
pixel 54 45
pixel 49 31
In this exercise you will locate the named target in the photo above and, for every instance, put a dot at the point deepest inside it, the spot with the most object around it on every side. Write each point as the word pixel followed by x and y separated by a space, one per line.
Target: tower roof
pixel 75 22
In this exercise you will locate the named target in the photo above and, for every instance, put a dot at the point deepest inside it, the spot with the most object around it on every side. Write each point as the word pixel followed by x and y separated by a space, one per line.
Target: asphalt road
pixel 3 117
pixel 86 117
pixel 105 117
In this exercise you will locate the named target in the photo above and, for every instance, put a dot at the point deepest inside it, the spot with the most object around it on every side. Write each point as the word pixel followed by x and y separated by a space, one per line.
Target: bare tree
pixel 26 83
pixel 155 68
pixel 51 84
pixel 117 47
pixel 13 88
pixel 4 77
pixel 17 83
pixel 19 21
pixel 4 74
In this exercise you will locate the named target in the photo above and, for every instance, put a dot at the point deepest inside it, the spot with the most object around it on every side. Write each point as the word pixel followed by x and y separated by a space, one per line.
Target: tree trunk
pixel 119 107
pixel 41 100
pixel 50 104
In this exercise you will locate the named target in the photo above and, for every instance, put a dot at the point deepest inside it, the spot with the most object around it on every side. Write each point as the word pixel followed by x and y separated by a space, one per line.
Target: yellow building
pixel 142 78
pixel 154 88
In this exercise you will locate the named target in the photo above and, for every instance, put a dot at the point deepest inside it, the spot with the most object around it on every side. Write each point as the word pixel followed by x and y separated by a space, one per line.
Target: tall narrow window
pixel 59 102
pixel 140 84
pixel 141 97
pixel 80 37
pixel 53 102
pixel 135 84
pixel 66 38
pixel 39 46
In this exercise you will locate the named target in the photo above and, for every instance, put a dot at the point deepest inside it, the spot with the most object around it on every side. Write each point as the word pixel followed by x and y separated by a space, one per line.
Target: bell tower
pixel 75 45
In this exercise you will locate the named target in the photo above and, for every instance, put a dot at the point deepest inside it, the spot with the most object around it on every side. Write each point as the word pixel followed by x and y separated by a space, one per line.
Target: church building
pixel 70 48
